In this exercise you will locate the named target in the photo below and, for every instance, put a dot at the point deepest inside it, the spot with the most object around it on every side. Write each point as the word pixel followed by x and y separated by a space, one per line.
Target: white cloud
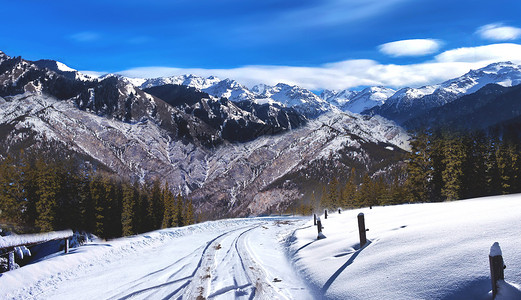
pixel 413 47
pixel 85 36
pixel 94 74
pixel 353 73
pixel 488 53
pixel 498 32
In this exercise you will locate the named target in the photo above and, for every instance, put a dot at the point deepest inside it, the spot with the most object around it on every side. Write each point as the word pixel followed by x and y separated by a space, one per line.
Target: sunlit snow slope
pixel 415 251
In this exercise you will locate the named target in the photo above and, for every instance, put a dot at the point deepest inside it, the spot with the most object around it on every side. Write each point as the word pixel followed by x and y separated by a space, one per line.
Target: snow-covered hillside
pixel 415 251
pixel 215 175
pixel 409 102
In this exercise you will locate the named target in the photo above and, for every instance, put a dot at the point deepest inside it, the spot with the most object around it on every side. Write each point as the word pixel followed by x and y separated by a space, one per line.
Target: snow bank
pixel 26 239
pixel 417 251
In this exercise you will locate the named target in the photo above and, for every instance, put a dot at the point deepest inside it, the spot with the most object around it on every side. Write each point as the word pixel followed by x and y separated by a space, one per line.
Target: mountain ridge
pixel 216 151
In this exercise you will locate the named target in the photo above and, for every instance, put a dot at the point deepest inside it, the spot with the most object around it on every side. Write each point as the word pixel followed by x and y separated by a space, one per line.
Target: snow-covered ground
pixel 417 251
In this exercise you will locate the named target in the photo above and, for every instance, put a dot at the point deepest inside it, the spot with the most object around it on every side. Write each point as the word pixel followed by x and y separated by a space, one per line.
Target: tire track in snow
pixel 186 282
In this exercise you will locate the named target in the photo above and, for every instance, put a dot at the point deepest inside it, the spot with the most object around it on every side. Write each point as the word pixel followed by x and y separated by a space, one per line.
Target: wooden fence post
pixel 496 267
pixel 319 229
pixel 66 246
pixel 11 262
pixel 325 213
pixel 315 219
pixel 361 229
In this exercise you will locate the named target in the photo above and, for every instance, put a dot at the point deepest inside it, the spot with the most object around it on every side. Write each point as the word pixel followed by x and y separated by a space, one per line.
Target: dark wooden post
pixel 496 267
pixel 361 229
pixel 325 213
pixel 11 262
pixel 66 245
pixel 319 229
pixel 315 219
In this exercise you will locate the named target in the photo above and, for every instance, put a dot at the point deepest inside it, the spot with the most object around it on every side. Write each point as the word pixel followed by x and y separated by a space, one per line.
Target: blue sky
pixel 315 43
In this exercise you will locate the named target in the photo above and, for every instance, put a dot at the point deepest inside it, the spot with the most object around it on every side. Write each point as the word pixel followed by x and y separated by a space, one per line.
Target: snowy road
pixel 417 251
pixel 234 259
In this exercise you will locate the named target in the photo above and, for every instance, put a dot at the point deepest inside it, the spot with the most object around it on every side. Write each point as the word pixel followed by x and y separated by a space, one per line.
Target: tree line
pixel 359 190
pixel 39 193
pixel 442 166
pixel 449 166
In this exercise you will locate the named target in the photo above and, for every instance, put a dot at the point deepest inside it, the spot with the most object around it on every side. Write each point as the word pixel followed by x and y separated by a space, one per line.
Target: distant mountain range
pixel 408 103
pixel 234 150
pixel 400 106
pixel 232 157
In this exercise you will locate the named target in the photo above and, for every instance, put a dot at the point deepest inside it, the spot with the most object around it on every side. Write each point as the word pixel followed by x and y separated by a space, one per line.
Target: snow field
pixel 418 251
pixel 415 251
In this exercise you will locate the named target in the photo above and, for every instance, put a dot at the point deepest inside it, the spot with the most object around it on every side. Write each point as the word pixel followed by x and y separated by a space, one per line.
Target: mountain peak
pixel 3 56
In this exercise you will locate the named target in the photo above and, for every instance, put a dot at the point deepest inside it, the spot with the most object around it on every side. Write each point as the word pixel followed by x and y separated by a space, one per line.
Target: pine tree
pixel 367 195
pixel 29 185
pixel 179 216
pixel 419 169
pixel 11 192
pixel 87 221
pixel 313 202
pixel 333 195
pixel 507 162
pixel 48 184
pixel 97 192
pixel 348 194
pixel 324 199
pixel 169 207
pixel 155 206
pixel 190 218
pixel 128 221
pixel 383 192
pixel 475 168
pixel 398 192
pixel 454 157
pixel 492 171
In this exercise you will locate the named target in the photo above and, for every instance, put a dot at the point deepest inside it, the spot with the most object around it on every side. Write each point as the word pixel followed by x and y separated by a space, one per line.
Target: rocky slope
pixel 490 106
pixel 231 158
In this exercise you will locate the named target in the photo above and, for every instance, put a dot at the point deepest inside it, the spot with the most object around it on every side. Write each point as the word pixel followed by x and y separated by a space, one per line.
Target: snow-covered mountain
pixel 232 158
pixel 212 85
pixel 493 107
pixel 358 101
pixel 300 99
pixel 62 69
pixel 410 102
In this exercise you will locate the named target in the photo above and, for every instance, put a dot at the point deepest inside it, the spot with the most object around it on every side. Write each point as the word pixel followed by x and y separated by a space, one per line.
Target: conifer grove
pixel 39 193
pixel 42 193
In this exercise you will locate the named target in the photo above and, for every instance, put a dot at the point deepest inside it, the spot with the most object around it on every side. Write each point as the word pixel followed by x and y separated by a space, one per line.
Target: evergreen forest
pixel 40 193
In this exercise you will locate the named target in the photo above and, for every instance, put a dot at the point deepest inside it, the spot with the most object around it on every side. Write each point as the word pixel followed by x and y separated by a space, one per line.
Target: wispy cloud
pixel 336 12
pixel 354 73
pixel 85 36
pixel 498 32
pixel 413 47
